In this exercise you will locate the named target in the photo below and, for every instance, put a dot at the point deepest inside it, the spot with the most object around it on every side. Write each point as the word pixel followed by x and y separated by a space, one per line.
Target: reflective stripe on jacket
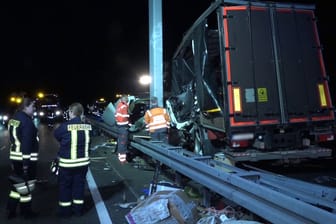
pixel 121 114
pixel 74 138
pixel 156 118
pixel 23 138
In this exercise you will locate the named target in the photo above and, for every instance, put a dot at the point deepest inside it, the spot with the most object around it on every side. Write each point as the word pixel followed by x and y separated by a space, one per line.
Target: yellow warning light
pixel 40 95
pixel 15 99
pixel 18 100
pixel 12 99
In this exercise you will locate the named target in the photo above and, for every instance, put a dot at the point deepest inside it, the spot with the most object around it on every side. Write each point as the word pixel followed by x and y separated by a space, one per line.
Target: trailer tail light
pixel 215 135
pixel 237 100
pixel 325 137
pixel 239 144
pixel 241 140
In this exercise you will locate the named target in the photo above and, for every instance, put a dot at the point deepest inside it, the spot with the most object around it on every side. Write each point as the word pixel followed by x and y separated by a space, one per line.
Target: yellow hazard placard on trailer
pixel 262 95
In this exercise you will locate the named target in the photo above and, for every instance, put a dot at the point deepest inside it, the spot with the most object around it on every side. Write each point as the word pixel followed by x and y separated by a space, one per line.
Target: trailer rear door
pixel 275 71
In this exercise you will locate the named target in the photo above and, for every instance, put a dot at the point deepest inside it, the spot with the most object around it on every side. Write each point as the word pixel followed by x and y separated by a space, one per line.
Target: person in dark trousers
pixel 122 119
pixel 157 121
pixel 23 155
pixel 73 159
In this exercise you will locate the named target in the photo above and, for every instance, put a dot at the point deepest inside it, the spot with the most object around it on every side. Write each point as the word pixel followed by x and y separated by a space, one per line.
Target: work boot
pixel 77 210
pixel 11 214
pixel 64 212
pixel 11 208
pixel 27 212
pixel 30 215
pixel 63 215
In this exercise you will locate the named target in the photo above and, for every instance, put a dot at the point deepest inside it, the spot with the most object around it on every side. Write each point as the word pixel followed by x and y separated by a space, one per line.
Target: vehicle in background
pixel 49 109
pixel 4 117
pixel 249 81
pixel 97 107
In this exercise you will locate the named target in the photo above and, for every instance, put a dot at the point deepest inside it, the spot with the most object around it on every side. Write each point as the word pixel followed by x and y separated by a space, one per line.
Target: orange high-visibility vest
pixel 156 118
pixel 121 114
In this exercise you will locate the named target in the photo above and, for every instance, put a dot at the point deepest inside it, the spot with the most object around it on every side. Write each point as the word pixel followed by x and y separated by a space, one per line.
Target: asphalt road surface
pixel 110 185
pixel 112 188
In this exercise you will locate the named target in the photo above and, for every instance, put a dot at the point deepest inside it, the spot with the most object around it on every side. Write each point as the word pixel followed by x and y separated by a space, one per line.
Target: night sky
pixel 82 50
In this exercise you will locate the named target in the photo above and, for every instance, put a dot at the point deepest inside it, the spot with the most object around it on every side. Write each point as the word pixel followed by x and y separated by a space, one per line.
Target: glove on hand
pixel 54 168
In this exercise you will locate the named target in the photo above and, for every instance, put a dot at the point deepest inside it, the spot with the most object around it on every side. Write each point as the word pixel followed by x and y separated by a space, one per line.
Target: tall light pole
pixel 155 50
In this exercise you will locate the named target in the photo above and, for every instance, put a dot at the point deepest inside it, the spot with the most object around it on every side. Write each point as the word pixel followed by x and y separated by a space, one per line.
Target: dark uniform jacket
pixel 74 138
pixel 23 138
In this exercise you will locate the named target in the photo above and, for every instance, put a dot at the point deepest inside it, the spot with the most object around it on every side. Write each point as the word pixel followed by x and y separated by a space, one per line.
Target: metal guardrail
pixel 276 199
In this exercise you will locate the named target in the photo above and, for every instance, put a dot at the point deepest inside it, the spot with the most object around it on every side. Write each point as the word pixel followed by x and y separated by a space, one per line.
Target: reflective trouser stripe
pixel 26 198
pixel 122 157
pixel 78 202
pixel 22 198
pixel 14 194
pixel 64 204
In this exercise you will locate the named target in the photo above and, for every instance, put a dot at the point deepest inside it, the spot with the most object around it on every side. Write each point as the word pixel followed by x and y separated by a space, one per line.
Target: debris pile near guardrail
pixel 164 207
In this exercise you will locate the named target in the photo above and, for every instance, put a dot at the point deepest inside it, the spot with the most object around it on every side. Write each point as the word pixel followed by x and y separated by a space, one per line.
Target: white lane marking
pixel 102 212
pixel 130 188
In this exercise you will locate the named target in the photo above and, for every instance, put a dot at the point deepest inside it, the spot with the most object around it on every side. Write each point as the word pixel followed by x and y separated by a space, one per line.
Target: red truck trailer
pixel 249 80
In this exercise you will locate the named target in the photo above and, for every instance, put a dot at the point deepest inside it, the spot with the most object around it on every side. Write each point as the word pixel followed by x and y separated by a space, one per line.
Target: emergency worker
pixel 122 119
pixel 23 155
pixel 73 155
pixel 157 121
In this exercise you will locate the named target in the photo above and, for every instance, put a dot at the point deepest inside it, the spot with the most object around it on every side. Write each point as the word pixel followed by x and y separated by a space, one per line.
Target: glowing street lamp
pixel 15 99
pixel 40 95
pixel 145 80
